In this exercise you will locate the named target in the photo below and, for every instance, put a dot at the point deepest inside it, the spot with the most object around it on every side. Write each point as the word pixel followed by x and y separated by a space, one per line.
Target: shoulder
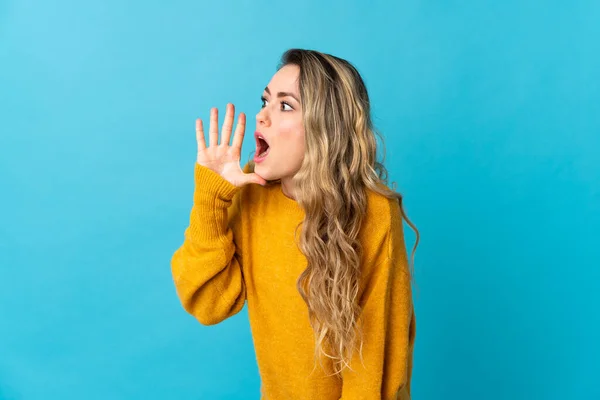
pixel 381 230
pixel 382 213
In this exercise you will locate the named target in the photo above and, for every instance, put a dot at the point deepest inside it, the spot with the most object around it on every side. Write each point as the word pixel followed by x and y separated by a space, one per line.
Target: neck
pixel 287 187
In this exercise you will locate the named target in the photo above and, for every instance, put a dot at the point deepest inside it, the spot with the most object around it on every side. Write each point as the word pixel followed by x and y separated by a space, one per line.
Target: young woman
pixel 309 235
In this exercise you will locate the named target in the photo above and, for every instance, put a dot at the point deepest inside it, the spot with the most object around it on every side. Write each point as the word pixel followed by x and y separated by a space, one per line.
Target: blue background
pixel 490 112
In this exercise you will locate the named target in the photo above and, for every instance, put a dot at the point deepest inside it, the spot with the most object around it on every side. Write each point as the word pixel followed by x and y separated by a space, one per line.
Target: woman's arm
pixel 207 268
pixel 389 327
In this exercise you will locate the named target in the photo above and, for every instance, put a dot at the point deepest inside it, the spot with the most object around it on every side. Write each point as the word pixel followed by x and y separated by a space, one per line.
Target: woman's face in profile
pixel 279 122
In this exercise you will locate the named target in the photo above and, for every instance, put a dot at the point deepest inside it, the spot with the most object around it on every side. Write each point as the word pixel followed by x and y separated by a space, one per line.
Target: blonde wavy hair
pixel 340 164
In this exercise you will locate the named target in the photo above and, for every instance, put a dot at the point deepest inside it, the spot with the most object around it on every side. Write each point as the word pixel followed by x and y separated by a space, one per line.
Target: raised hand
pixel 220 157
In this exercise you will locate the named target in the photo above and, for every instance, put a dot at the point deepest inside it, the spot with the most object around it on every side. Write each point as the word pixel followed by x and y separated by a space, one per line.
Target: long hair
pixel 340 165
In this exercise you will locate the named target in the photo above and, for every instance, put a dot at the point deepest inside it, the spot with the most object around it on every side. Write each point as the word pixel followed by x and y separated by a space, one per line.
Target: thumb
pixel 254 178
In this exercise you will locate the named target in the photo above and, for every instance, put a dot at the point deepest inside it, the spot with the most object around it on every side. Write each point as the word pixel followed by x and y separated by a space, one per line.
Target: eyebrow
pixel 283 94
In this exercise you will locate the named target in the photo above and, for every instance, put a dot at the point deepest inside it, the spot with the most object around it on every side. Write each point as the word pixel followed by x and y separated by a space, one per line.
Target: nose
pixel 262 117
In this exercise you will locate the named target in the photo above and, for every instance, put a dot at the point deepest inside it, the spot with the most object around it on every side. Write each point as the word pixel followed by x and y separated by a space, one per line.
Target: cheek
pixel 289 127
pixel 292 136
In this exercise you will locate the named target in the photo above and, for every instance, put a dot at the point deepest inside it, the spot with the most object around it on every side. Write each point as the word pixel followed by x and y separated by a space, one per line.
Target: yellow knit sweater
pixel 239 247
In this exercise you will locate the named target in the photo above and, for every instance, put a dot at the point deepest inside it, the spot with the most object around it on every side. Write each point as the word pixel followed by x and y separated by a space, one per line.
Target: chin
pixel 260 169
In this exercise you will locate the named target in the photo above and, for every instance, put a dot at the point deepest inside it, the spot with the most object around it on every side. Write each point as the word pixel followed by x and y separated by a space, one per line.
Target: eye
pixel 283 103
pixel 263 99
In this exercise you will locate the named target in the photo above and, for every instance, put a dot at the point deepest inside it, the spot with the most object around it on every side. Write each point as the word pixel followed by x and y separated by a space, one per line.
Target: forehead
pixel 286 79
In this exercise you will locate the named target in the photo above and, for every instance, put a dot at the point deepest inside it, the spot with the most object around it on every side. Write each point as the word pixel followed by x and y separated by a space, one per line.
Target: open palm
pixel 221 157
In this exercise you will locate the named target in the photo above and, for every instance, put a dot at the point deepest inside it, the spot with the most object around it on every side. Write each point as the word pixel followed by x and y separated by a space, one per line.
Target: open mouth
pixel 262 147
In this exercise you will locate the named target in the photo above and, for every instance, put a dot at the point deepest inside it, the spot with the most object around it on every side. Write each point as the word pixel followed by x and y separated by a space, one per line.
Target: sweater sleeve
pixel 207 268
pixel 389 328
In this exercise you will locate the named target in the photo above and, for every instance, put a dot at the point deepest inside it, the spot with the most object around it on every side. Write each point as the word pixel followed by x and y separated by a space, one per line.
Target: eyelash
pixel 263 99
